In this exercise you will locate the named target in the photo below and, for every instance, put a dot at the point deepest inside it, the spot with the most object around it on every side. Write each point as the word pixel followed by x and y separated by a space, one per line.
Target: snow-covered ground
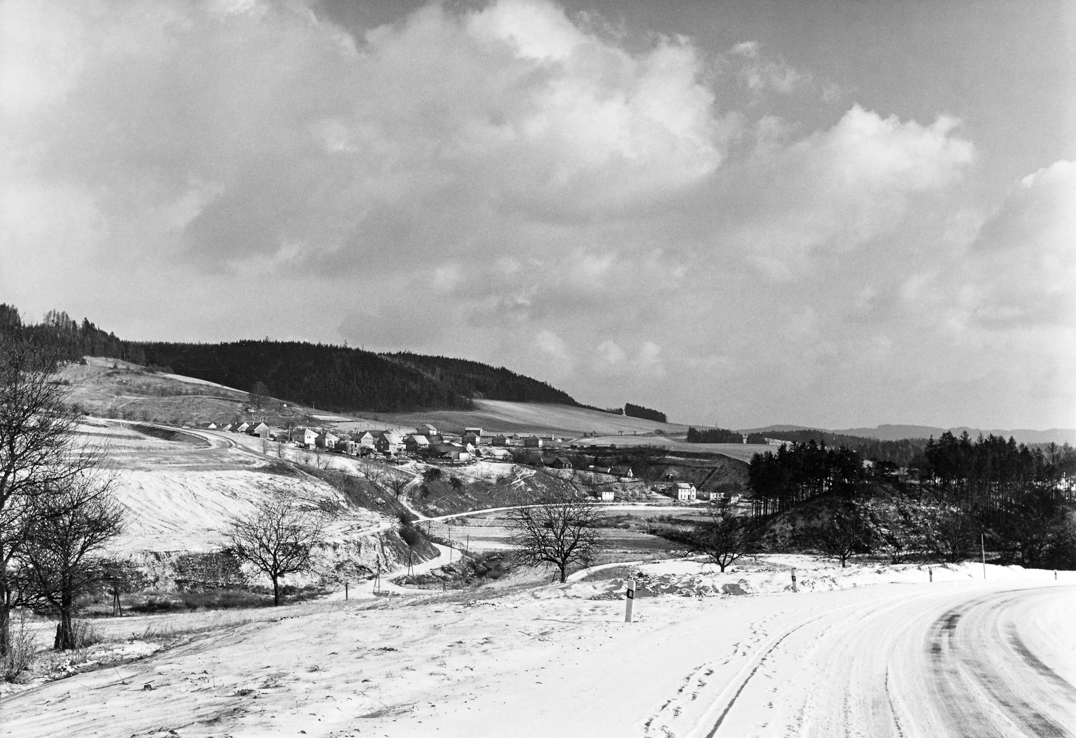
pixel 866 651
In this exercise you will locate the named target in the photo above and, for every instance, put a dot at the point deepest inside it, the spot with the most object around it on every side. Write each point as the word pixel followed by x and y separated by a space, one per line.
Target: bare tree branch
pixel 558 530
pixel 278 539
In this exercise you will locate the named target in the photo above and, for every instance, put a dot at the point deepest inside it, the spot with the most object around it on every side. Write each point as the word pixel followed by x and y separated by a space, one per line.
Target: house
pixel 452 452
pixel 499 441
pixel 475 431
pixel 304 436
pixel 426 430
pixel 211 426
pixel 388 442
pixel 501 454
pixel 532 442
pixel 416 443
pixel 435 439
pixel 242 428
pixel 366 439
pixel 471 438
pixel 326 440
pixel 685 491
pixel 261 430
pixel 351 447
pixel 226 427
pixel 559 462
pixel 607 495
pixel 622 471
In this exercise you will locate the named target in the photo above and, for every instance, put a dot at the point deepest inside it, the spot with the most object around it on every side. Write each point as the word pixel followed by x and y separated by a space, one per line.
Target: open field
pixel 497 416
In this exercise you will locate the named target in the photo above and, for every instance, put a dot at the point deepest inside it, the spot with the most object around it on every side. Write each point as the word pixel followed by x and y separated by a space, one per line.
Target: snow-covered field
pixel 864 651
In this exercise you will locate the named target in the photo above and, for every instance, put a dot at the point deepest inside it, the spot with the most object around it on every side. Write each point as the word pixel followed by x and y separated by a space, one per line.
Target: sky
pixel 828 213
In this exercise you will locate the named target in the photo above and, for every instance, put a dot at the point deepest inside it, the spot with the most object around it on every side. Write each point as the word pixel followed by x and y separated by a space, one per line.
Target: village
pixel 431 445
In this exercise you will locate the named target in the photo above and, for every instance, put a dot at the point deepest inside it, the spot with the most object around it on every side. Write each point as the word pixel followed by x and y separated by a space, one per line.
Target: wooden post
pixel 795 587
pixel 931 570
pixel 629 602
pixel 345 591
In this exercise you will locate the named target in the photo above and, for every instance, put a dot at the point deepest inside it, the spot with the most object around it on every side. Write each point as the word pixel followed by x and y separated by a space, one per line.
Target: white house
pixel 685 492
pixel 304 436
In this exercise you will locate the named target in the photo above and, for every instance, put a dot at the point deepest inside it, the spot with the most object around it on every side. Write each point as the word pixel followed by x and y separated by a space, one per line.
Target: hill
pixel 336 378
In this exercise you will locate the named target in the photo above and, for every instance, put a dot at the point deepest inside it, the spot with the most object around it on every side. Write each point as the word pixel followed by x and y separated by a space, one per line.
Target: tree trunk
pixel 563 573
pixel 276 591
pixel 5 624
pixel 65 631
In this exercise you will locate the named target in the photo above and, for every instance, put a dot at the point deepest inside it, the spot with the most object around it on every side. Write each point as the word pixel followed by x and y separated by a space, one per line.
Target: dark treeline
pixel 481 381
pixel 721 435
pixel 329 377
pixel 66 339
pixel 905 452
pixel 638 411
pixel 1021 499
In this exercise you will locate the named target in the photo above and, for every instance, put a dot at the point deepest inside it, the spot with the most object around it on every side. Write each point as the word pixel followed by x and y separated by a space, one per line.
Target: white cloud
pixel 1023 263
pixel 841 188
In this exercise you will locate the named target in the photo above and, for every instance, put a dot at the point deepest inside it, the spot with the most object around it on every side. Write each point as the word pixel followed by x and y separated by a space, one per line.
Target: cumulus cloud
pixel 1023 263
pixel 839 189
pixel 503 181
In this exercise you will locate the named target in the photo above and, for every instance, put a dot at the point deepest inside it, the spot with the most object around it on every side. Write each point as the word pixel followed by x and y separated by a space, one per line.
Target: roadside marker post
pixel 345 591
pixel 931 570
pixel 629 602
pixel 982 545
pixel 795 587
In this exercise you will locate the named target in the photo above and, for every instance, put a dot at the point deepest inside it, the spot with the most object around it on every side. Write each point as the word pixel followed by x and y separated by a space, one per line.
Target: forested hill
pixel 334 378
pixel 481 381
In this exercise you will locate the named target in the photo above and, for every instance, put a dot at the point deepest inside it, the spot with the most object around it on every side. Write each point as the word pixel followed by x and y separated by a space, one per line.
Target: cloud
pixel 1023 263
pixel 838 189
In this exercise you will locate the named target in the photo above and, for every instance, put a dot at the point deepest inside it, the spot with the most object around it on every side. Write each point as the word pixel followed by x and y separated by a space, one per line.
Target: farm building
pixel 388 442
pixel 476 431
pixel 416 443
pixel 325 439
pixel 304 436
pixel 532 442
pixel 499 441
pixel 425 429
pixel 607 495
pixel 685 491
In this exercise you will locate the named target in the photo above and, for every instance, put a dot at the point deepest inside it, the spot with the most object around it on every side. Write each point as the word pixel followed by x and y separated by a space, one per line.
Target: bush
pixel 18 661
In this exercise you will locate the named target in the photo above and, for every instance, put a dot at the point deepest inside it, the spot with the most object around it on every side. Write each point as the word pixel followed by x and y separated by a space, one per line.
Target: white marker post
pixel 982 544
pixel 629 602
pixel 931 573
pixel 795 587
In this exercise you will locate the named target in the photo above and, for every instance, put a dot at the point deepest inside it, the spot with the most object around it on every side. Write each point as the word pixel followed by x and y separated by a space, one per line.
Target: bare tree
pixel 725 537
pixel 558 530
pixel 278 539
pixel 67 530
pixel 36 453
pixel 398 483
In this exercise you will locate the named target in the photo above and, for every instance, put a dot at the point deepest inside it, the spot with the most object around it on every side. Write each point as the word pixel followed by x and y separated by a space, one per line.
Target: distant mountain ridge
pixel 897 432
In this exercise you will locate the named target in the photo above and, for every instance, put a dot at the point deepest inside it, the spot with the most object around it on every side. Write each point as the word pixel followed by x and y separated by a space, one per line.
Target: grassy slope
pixel 522 418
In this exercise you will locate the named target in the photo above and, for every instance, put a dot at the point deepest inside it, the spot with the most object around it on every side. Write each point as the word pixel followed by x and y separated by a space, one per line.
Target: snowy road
pixel 928 664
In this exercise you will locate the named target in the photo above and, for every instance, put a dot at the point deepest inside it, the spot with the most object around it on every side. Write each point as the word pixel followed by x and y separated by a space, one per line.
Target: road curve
pixel 957 662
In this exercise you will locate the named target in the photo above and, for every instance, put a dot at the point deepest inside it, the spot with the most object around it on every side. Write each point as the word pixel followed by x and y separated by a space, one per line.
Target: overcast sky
pixel 739 213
